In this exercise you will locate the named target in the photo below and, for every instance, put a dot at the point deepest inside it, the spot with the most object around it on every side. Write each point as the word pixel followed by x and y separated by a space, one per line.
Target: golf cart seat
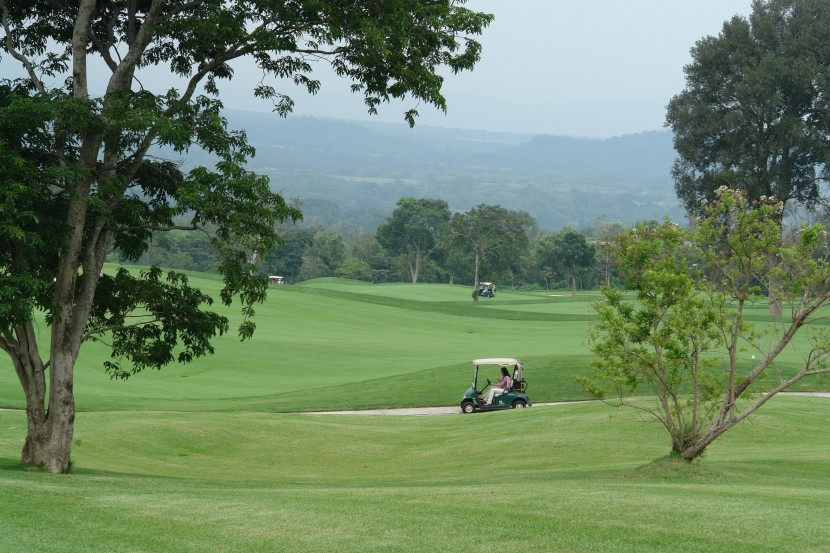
pixel 518 383
pixel 519 386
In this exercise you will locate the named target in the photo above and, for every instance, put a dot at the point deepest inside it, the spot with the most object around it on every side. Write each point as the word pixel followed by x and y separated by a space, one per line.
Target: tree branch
pixel 80 35
pixel 36 82
pixel 104 49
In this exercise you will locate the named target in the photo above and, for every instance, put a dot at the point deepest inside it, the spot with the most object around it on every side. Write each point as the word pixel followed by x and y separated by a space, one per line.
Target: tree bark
pixel 475 279
pixel 49 429
pixel 416 269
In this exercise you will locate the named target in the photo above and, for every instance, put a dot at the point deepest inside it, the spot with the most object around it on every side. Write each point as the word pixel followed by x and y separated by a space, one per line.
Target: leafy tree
pixel 605 233
pixel 685 336
pixel 287 259
pixel 369 250
pixel 355 269
pixel 176 249
pixel 566 253
pixel 753 115
pixel 76 174
pixel 414 231
pixel 324 257
pixel 545 260
pixel 489 232
pixel 458 262
pixel 576 255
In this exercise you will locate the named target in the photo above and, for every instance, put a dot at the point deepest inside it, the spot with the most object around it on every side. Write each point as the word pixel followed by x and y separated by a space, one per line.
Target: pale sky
pixel 593 68
pixel 596 68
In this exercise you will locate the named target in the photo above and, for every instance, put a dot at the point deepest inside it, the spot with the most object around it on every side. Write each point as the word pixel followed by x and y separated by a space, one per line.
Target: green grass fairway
pixel 568 478
pixel 337 344
pixel 214 457
pixel 334 344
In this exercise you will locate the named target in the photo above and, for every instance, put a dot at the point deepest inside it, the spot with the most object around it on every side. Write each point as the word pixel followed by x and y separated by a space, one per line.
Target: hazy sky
pixel 594 68
pixel 576 67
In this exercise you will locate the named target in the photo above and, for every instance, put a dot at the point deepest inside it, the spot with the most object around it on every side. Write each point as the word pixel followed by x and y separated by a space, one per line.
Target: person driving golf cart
pixel 500 387
pixel 510 392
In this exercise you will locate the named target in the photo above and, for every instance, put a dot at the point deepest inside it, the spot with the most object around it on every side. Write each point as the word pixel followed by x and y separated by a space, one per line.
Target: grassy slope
pixel 334 344
pixel 317 346
pixel 192 458
pixel 568 478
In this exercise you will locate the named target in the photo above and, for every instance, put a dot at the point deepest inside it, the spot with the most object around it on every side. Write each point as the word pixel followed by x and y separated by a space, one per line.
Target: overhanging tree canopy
pixel 78 177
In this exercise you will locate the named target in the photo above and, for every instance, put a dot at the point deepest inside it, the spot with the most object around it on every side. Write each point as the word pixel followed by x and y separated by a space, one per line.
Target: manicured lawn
pixel 565 478
pixel 318 347
pixel 212 457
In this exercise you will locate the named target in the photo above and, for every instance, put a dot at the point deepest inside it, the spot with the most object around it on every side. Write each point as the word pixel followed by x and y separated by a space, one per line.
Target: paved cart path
pixel 456 410
pixel 417 411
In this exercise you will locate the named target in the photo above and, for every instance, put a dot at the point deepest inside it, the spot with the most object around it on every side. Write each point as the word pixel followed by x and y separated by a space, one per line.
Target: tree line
pixel 421 241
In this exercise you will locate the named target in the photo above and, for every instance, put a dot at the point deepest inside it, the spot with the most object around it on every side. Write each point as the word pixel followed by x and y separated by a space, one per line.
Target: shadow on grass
pixel 7 463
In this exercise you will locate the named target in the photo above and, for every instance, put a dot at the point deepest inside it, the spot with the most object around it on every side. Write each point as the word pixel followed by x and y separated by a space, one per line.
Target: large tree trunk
pixel 49 427
pixel 52 440
pixel 49 439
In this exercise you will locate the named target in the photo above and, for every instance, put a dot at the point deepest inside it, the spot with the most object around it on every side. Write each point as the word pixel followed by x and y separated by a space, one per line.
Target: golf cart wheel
pixel 519 404
pixel 467 407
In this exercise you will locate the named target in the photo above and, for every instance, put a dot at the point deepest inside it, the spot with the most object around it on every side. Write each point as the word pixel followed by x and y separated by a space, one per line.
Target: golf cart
pixel 516 396
pixel 486 289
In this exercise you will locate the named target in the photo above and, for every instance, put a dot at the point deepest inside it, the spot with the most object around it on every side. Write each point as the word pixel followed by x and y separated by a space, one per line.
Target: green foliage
pixel 564 256
pixel 414 230
pixel 661 341
pixel 82 175
pixel 683 335
pixel 324 256
pixel 490 236
pixel 355 269
pixel 751 115
pixel 287 259
pixel 150 320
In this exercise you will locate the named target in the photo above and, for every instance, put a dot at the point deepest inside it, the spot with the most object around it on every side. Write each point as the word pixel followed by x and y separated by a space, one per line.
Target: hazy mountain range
pixel 350 174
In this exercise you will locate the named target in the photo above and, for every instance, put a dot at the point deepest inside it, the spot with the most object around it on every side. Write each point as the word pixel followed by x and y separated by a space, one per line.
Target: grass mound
pixel 674 468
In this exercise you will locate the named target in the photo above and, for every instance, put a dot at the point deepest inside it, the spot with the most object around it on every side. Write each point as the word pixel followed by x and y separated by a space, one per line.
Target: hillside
pixel 350 174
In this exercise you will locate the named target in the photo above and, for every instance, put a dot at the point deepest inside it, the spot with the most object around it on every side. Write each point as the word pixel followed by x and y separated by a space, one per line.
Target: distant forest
pixel 567 195
pixel 348 175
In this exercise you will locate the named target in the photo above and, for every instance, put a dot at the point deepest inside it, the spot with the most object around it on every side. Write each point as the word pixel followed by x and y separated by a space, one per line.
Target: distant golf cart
pixel 473 399
pixel 486 289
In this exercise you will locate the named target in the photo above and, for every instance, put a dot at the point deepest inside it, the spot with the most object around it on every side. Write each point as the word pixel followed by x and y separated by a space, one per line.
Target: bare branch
pixel 36 82
pixel 156 228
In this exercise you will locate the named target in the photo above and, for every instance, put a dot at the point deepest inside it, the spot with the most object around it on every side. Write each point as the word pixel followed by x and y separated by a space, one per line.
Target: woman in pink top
pixel 499 388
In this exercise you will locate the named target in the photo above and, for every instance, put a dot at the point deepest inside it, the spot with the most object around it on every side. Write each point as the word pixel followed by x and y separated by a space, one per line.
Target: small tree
pixel 287 260
pixel 683 337
pixel 324 257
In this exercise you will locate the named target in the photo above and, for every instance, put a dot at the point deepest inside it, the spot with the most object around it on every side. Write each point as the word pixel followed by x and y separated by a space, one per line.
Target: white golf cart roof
pixel 497 361
pixel 504 362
